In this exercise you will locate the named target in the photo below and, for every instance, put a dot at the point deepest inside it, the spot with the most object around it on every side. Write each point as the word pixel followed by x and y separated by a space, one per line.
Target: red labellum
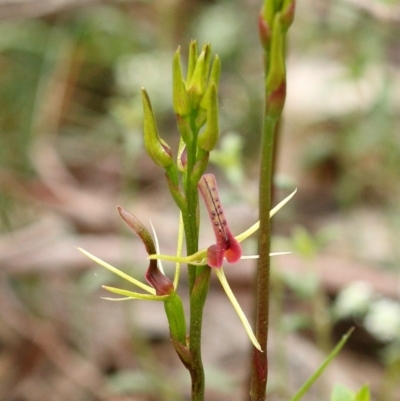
pixel 227 246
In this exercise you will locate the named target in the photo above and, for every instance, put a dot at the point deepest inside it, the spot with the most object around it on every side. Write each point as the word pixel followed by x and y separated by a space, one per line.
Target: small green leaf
pixel 307 385
pixel 342 393
pixel 363 394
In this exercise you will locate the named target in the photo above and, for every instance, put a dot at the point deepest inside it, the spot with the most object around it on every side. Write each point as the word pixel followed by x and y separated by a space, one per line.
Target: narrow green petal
pixel 179 252
pixel 118 272
pixel 199 258
pixel 135 295
pixel 117 299
pixel 273 211
pixel 221 276
pixel 280 205
pixel 279 253
pixel 248 232
pixel 250 257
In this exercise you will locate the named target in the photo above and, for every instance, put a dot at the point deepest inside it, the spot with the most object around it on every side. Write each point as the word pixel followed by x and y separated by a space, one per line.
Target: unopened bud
pixel 157 149
pixel 287 13
pixel 276 67
pixel 196 87
pixel 180 97
pixel 264 32
pixel 209 137
pixel 193 55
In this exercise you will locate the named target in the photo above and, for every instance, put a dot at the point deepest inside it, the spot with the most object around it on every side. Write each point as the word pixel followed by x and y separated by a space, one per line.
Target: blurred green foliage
pixel 342 393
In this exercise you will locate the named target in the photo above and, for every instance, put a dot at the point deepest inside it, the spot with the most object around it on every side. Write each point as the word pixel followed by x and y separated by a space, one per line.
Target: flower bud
pixel 180 97
pixel 287 13
pixel 193 55
pixel 215 71
pixel 276 77
pixel 276 68
pixel 209 137
pixel 264 32
pixel 268 11
pixel 196 87
pixel 157 149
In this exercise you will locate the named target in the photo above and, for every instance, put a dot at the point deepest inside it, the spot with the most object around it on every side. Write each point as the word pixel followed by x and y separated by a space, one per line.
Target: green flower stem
pixel 275 19
pixel 259 370
pixel 199 277
pixel 190 218
pixel 197 301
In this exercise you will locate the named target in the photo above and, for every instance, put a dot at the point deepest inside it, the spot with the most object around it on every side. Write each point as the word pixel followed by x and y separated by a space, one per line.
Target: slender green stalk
pixel 199 277
pixel 275 18
pixel 191 219
pixel 259 371
pixel 198 298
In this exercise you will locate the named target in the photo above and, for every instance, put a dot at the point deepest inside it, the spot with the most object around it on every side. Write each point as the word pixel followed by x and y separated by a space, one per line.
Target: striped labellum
pixel 226 246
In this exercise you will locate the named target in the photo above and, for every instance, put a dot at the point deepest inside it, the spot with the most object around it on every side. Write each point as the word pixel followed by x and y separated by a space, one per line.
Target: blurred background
pixel 71 150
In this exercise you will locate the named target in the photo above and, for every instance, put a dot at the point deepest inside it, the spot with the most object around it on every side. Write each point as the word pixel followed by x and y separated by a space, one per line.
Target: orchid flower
pixel 200 258
pixel 227 246
pixel 161 286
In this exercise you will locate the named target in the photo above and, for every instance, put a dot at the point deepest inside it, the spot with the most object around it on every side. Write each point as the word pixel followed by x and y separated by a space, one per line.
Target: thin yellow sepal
pixel 118 272
pixel 273 211
pixel 221 276
pixel 135 295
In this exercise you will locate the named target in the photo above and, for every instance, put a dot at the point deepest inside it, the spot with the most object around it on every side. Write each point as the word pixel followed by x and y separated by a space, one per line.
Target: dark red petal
pixel 162 284
pixel 234 251
pixel 215 256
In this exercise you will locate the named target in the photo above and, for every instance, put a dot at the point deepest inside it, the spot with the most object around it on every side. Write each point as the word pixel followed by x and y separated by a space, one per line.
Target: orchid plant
pixel 195 101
